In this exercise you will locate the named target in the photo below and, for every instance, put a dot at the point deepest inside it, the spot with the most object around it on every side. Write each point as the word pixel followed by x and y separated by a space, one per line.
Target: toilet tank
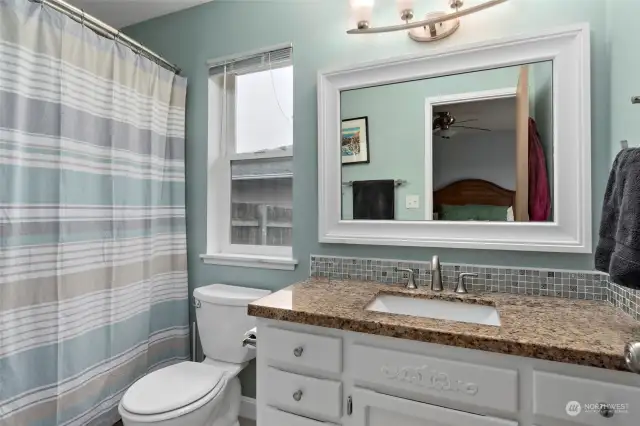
pixel 221 312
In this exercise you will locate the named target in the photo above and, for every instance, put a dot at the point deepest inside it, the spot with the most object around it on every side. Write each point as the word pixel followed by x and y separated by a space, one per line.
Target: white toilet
pixel 206 393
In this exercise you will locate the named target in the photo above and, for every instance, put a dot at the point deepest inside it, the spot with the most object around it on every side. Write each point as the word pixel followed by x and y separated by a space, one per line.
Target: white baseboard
pixel 248 408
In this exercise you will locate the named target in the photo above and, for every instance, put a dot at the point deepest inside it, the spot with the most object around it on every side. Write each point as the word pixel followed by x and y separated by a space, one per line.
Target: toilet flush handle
pixel 250 342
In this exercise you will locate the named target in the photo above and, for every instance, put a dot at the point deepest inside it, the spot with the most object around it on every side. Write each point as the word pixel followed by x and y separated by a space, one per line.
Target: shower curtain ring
pixel 82 20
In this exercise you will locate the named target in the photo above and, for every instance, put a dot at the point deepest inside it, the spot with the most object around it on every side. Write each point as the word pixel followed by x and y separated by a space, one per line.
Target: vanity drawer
pixel 273 417
pixel 311 351
pixel 308 396
pixel 552 393
pixel 457 381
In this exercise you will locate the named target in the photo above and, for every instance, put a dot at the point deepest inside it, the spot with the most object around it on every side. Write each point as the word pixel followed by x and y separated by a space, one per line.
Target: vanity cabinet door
pixel 376 409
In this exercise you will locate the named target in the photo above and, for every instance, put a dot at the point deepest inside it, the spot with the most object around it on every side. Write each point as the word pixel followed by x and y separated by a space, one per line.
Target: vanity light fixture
pixel 434 26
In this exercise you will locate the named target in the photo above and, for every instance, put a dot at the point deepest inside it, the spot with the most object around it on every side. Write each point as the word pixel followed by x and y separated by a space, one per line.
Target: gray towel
pixel 618 250
pixel 374 199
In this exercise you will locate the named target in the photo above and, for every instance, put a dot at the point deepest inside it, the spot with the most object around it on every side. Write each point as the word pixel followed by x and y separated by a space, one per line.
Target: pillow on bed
pixel 473 212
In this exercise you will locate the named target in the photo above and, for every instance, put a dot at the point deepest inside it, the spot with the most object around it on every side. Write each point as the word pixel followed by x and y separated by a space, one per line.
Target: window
pixel 250 176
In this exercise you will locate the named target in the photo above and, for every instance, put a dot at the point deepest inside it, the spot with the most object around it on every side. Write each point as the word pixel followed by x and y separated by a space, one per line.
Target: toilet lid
pixel 171 388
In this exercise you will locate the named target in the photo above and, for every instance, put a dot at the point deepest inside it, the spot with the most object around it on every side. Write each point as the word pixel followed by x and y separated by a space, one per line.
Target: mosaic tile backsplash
pixel 588 285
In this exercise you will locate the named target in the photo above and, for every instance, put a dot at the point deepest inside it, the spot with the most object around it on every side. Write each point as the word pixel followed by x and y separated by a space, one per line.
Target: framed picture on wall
pixel 355 141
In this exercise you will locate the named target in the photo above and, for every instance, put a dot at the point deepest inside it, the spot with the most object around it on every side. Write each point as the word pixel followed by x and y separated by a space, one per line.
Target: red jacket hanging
pixel 539 197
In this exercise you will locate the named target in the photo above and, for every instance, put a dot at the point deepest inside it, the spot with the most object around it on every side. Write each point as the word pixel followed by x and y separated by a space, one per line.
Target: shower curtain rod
pixel 106 30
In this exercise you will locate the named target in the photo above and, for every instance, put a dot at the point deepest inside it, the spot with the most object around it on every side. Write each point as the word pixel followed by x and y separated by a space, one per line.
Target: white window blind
pixel 277 58
pixel 256 128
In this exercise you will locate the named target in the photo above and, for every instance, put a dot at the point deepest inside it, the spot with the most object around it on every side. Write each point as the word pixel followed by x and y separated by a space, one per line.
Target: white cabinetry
pixel 302 350
pixel 376 409
pixel 456 381
pixel 314 376
pixel 318 398
pixel 271 416
pixel 602 404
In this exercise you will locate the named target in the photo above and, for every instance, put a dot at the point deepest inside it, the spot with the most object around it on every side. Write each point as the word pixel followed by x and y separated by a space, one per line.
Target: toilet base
pixel 227 413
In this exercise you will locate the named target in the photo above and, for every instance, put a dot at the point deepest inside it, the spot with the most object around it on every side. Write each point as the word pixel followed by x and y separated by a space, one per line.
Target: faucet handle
pixel 411 284
pixel 462 286
pixel 408 270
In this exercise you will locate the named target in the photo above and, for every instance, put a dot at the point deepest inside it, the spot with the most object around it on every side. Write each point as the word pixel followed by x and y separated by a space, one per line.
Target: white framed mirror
pixel 483 146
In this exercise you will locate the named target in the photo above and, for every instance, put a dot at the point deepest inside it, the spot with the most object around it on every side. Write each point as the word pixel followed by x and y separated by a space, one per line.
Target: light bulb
pixel 362 11
pixel 362 3
pixel 404 5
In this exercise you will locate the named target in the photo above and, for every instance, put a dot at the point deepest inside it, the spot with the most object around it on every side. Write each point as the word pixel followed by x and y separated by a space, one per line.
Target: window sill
pixel 250 261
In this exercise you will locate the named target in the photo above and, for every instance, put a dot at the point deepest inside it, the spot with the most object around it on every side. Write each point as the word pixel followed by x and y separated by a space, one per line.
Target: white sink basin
pixel 437 309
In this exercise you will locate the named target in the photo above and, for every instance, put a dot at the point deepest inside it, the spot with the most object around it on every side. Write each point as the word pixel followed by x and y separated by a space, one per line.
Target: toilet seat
pixel 173 391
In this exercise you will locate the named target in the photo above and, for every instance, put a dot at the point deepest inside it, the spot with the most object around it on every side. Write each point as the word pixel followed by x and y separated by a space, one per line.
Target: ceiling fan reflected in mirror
pixel 446 124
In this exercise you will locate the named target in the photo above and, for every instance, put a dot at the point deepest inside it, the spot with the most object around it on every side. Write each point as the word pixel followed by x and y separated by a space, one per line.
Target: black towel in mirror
pixel 618 250
pixel 374 199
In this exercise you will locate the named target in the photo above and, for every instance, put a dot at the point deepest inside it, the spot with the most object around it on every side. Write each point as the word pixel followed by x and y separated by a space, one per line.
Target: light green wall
pixel 396 117
pixel 624 33
pixel 317 30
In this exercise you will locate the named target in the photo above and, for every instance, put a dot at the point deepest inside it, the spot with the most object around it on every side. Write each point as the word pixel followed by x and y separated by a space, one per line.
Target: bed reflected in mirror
pixel 467 147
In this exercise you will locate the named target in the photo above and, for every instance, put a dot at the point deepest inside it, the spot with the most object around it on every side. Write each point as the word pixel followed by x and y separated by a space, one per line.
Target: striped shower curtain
pixel 93 279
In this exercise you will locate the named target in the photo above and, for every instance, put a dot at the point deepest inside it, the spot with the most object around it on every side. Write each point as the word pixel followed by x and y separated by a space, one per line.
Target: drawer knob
pixel 606 411
pixel 298 351
pixel 632 356
pixel 297 395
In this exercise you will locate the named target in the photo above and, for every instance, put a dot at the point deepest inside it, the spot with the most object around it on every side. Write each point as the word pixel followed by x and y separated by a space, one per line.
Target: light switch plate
pixel 412 202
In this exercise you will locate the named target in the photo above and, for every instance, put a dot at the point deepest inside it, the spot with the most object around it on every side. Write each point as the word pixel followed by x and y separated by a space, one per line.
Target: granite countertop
pixel 580 332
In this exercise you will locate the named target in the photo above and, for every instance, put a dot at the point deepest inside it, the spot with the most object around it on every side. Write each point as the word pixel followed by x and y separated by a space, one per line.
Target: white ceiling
pixel 121 13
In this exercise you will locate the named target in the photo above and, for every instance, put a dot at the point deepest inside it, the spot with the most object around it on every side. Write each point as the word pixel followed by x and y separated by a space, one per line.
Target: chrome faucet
pixel 436 274
pixel 462 286
pixel 411 284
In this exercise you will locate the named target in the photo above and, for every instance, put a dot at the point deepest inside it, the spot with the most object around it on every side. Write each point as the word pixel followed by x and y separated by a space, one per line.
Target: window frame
pixel 221 153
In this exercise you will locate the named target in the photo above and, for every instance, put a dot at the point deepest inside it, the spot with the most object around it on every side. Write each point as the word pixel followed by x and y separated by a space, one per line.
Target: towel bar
pixel 398 182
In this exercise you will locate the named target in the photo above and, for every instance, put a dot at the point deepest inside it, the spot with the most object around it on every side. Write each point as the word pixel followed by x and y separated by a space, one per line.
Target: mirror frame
pixel 569 49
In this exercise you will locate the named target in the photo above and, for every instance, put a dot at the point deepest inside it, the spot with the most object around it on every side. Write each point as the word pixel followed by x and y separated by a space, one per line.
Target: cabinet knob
pixel 297 395
pixel 606 411
pixel 298 351
pixel 632 356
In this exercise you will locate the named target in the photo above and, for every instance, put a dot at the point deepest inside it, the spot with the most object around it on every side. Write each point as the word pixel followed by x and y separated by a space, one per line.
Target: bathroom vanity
pixel 361 353
pixel 329 354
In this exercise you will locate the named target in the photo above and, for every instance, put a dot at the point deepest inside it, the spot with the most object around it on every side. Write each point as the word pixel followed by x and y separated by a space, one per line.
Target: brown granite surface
pixel 565 330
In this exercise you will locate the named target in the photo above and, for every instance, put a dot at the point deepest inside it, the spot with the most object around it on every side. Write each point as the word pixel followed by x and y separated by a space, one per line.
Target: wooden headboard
pixel 473 191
